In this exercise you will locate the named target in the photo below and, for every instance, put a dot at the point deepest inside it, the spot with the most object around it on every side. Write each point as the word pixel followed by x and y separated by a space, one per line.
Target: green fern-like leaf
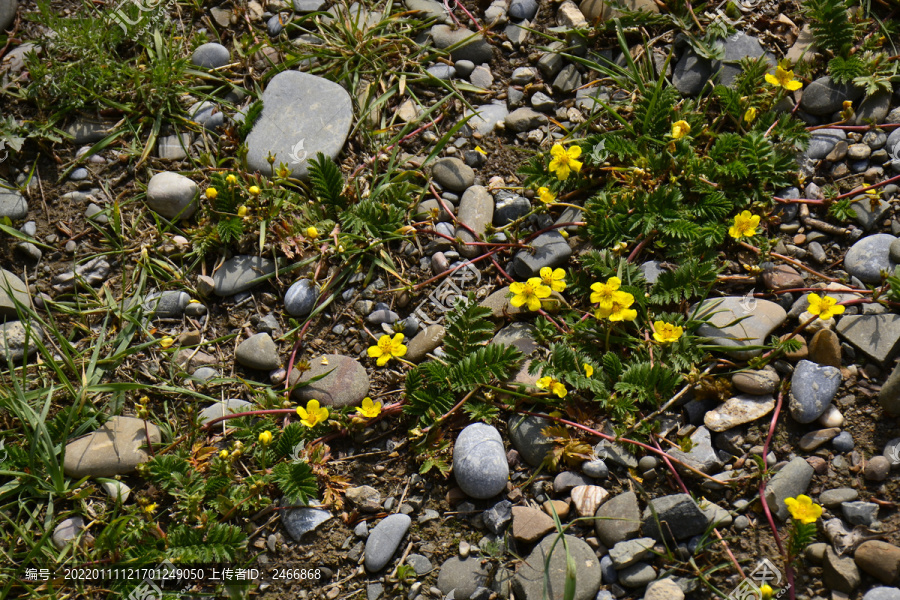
pixel 844 70
pixel 327 181
pixel 484 364
pixel 427 394
pixel 296 480
pixel 689 280
pixel 830 24
pixel 468 327
pixel 290 437
pixel 221 542
pixel 230 230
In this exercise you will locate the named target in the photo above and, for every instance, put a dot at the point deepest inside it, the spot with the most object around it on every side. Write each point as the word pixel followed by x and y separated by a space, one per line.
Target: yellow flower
pixel 745 225
pixel 242 211
pixel 166 342
pixel 603 292
pixel 150 508
pixel 546 196
pixel 803 509
pixel 265 438
pixel 231 179
pixel 369 409
pixel 211 193
pixel 528 293
pixel 620 247
pixel 313 414
pixel 563 161
pixel 387 348
pixel 824 307
pixel 312 233
pixel 480 150
pixel 766 591
pixel 618 310
pixel 548 383
pixel 666 333
pixel 680 129
pixel 554 278
pixel 223 454
pixel 750 114
pixel 784 78
pixel 588 370
pixel 254 190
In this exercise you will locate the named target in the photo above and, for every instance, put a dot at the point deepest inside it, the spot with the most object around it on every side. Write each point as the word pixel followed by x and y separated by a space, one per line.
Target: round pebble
pixel 877 468
pixel 301 298
pixel 843 442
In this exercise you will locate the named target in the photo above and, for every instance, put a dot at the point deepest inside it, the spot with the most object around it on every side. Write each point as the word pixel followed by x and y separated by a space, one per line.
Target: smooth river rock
pixel 479 461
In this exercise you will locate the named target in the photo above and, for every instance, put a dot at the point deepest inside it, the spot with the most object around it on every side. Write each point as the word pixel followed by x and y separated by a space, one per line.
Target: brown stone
pixel 561 508
pixel 529 524
pixel 116 448
pixel 424 342
pixel 825 348
pixel 880 560
pixel 800 354
pixel 782 277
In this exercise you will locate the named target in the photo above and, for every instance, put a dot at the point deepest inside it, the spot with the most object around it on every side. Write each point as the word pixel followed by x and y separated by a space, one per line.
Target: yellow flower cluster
pixel 613 303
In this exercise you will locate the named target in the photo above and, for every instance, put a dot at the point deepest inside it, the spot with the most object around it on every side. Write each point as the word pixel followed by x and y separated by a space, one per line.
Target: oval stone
pixel 479 461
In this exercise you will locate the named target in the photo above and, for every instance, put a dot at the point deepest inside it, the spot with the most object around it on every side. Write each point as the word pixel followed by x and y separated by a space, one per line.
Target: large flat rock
pixel 302 115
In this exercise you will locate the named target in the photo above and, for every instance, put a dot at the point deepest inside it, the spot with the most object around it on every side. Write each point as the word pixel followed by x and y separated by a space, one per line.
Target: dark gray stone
pixel 510 207
pixel 868 257
pixel 301 521
pixel 860 513
pixel 523 9
pixel 210 56
pixel 7 13
pixel 236 274
pixel 822 141
pixel 526 437
pixel 302 115
pixel 300 298
pixel 453 174
pixel 475 48
pixel 843 442
pixel 442 72
pixel 692 72
pixel 677 517
pixel 258 352
pixel 702 456
pixel 384 540
pixel 791 481
pixel 525 119
pixel 813 387
pixel 169 304
pixel 877 336
pixel 479 461
pixel 547 250
pixel 498 517
pixel 618 519
pixel 823 97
